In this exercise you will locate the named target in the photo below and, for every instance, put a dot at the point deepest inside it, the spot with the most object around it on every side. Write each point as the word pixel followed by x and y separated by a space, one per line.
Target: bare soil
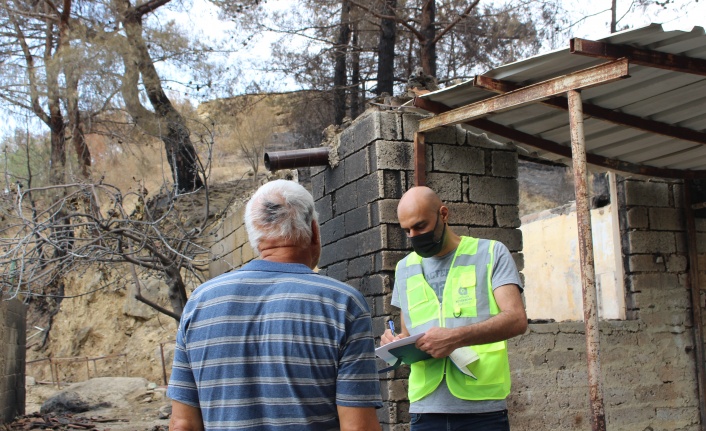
pixel 116 405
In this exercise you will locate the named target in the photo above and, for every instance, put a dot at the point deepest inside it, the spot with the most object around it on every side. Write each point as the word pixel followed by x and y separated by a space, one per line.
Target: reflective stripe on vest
pixel 467 298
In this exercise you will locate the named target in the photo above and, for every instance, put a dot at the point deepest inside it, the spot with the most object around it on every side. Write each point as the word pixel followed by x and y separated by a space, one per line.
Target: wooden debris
pixel 52 421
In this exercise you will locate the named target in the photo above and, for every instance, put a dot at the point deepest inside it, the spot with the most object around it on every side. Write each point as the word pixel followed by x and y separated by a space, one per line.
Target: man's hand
pixel 438 342
pixel 388 338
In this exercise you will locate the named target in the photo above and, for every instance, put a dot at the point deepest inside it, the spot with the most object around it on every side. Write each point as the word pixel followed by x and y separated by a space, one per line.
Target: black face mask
pixel 424 243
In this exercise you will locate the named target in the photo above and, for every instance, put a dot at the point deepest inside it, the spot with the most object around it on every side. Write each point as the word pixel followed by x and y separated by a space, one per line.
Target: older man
pixel 464 294
pixel 274 345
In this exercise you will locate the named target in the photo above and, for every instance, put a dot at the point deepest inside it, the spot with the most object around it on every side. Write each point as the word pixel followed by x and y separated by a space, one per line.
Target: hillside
pixel 99 318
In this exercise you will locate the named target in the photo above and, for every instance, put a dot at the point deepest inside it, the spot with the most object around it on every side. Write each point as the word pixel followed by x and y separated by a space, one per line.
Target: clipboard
pixel 403 351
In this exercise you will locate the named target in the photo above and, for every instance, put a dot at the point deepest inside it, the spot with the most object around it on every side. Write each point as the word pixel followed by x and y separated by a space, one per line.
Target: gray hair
pixel 279 209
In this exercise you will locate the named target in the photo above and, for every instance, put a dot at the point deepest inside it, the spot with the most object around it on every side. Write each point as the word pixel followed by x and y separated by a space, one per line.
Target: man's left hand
pixel 438 342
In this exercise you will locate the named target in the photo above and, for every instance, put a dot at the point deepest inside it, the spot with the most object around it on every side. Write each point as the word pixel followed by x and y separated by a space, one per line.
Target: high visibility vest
pixel 467 299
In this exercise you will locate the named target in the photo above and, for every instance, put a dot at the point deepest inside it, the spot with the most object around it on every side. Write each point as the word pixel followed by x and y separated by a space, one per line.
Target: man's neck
pixel 286 254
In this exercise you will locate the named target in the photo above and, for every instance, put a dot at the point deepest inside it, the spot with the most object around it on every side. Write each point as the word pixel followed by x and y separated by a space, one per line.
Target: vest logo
pixel 462 291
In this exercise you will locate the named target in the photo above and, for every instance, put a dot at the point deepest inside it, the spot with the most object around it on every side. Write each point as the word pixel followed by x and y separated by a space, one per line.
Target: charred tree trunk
pixel 177 290
pixel 78 138
pixel 428 30
pixel 169 126
pixel 386 50
pixel 339 73
pixel 355 75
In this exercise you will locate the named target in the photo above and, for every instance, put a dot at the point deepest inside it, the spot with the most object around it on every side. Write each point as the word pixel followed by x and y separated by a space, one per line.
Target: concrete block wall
pixel 230 247
pixel 647 361
pixel 357 205
pixel 12 359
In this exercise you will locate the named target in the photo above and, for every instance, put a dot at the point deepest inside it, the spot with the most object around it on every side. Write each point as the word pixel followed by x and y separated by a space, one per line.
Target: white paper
pixel 462 357
pixel 383 352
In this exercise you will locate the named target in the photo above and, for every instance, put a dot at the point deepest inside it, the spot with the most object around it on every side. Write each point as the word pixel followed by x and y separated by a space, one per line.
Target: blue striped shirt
pixel 274 346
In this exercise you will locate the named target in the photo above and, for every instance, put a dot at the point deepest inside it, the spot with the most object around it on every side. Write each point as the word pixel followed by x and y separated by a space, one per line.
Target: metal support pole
pixel 588 272
pixel 695 287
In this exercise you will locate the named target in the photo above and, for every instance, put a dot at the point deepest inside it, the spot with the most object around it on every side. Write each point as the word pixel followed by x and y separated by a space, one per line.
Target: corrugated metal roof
pixel 665 96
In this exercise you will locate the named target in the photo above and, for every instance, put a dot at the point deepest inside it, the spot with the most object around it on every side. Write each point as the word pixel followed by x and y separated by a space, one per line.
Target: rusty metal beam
pixel 643 57
pixel 595 111
pixel 553 147
pixel 588 270
pixel 420 160
pixel 695 288
pixel 532 93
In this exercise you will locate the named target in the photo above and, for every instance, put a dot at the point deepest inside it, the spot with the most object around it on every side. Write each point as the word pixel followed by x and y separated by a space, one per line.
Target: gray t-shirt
pixel 435 270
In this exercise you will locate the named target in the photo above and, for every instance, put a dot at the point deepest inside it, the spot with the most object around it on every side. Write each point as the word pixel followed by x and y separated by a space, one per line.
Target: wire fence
pixel 59 367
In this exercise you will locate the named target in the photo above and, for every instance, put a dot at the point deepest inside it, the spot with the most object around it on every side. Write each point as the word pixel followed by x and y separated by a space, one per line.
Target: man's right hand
pixel 387 337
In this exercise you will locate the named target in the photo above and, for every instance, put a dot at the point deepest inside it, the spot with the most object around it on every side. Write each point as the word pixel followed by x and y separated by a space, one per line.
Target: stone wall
pixel 648 367
pixel 230 247
pixel 12 359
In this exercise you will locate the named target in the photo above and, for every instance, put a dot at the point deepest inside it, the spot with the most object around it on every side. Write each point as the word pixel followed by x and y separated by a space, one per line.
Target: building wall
pixel 648 366
pixel 552 235
pixel 12 359
pixel 647 362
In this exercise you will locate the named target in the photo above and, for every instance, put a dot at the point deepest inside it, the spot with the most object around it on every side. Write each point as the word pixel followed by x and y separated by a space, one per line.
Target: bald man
pixel 464 294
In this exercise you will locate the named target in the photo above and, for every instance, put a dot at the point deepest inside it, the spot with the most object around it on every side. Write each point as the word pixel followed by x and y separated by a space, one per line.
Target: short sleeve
pixel 357 384
pixel 504 268
pixel 182 386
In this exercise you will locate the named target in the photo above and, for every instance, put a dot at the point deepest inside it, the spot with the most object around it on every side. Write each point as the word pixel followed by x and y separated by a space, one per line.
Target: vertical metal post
pixel 588 272
pixel 420 160
pixel 164 368
pixel 695 287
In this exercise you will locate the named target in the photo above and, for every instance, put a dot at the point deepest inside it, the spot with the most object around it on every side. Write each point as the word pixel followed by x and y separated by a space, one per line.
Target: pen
pixel 391 324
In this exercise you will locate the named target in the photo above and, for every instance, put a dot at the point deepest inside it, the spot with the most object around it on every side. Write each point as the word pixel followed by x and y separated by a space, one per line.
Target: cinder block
pixel 356 220
pixel 324 208
pixel 381 185
pixel 443 135
pixel 387 260
pixel 651 242
pixel 646 193
pixel 356 165
pixel 638 218
pixel 471 214
pixel 507 216
pixel 447 186
pixel 333 230
pixel 646 263
pixel 317 185
pixel 384 211
pixel 334 178
pixel 666 219
pixel 504 164
pixel 366 129
pixel 677 263
pixel 345 199
pixel 339 271
pixel 489 190
pixel 360 266
pixel 463 160
pixel 512 238
pixel 376 284
pixel 395 237
pixel 248 253
pixel 394 155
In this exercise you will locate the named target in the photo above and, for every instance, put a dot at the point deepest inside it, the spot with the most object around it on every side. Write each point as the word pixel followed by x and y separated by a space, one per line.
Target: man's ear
pixel 315 233
pixel 444 211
